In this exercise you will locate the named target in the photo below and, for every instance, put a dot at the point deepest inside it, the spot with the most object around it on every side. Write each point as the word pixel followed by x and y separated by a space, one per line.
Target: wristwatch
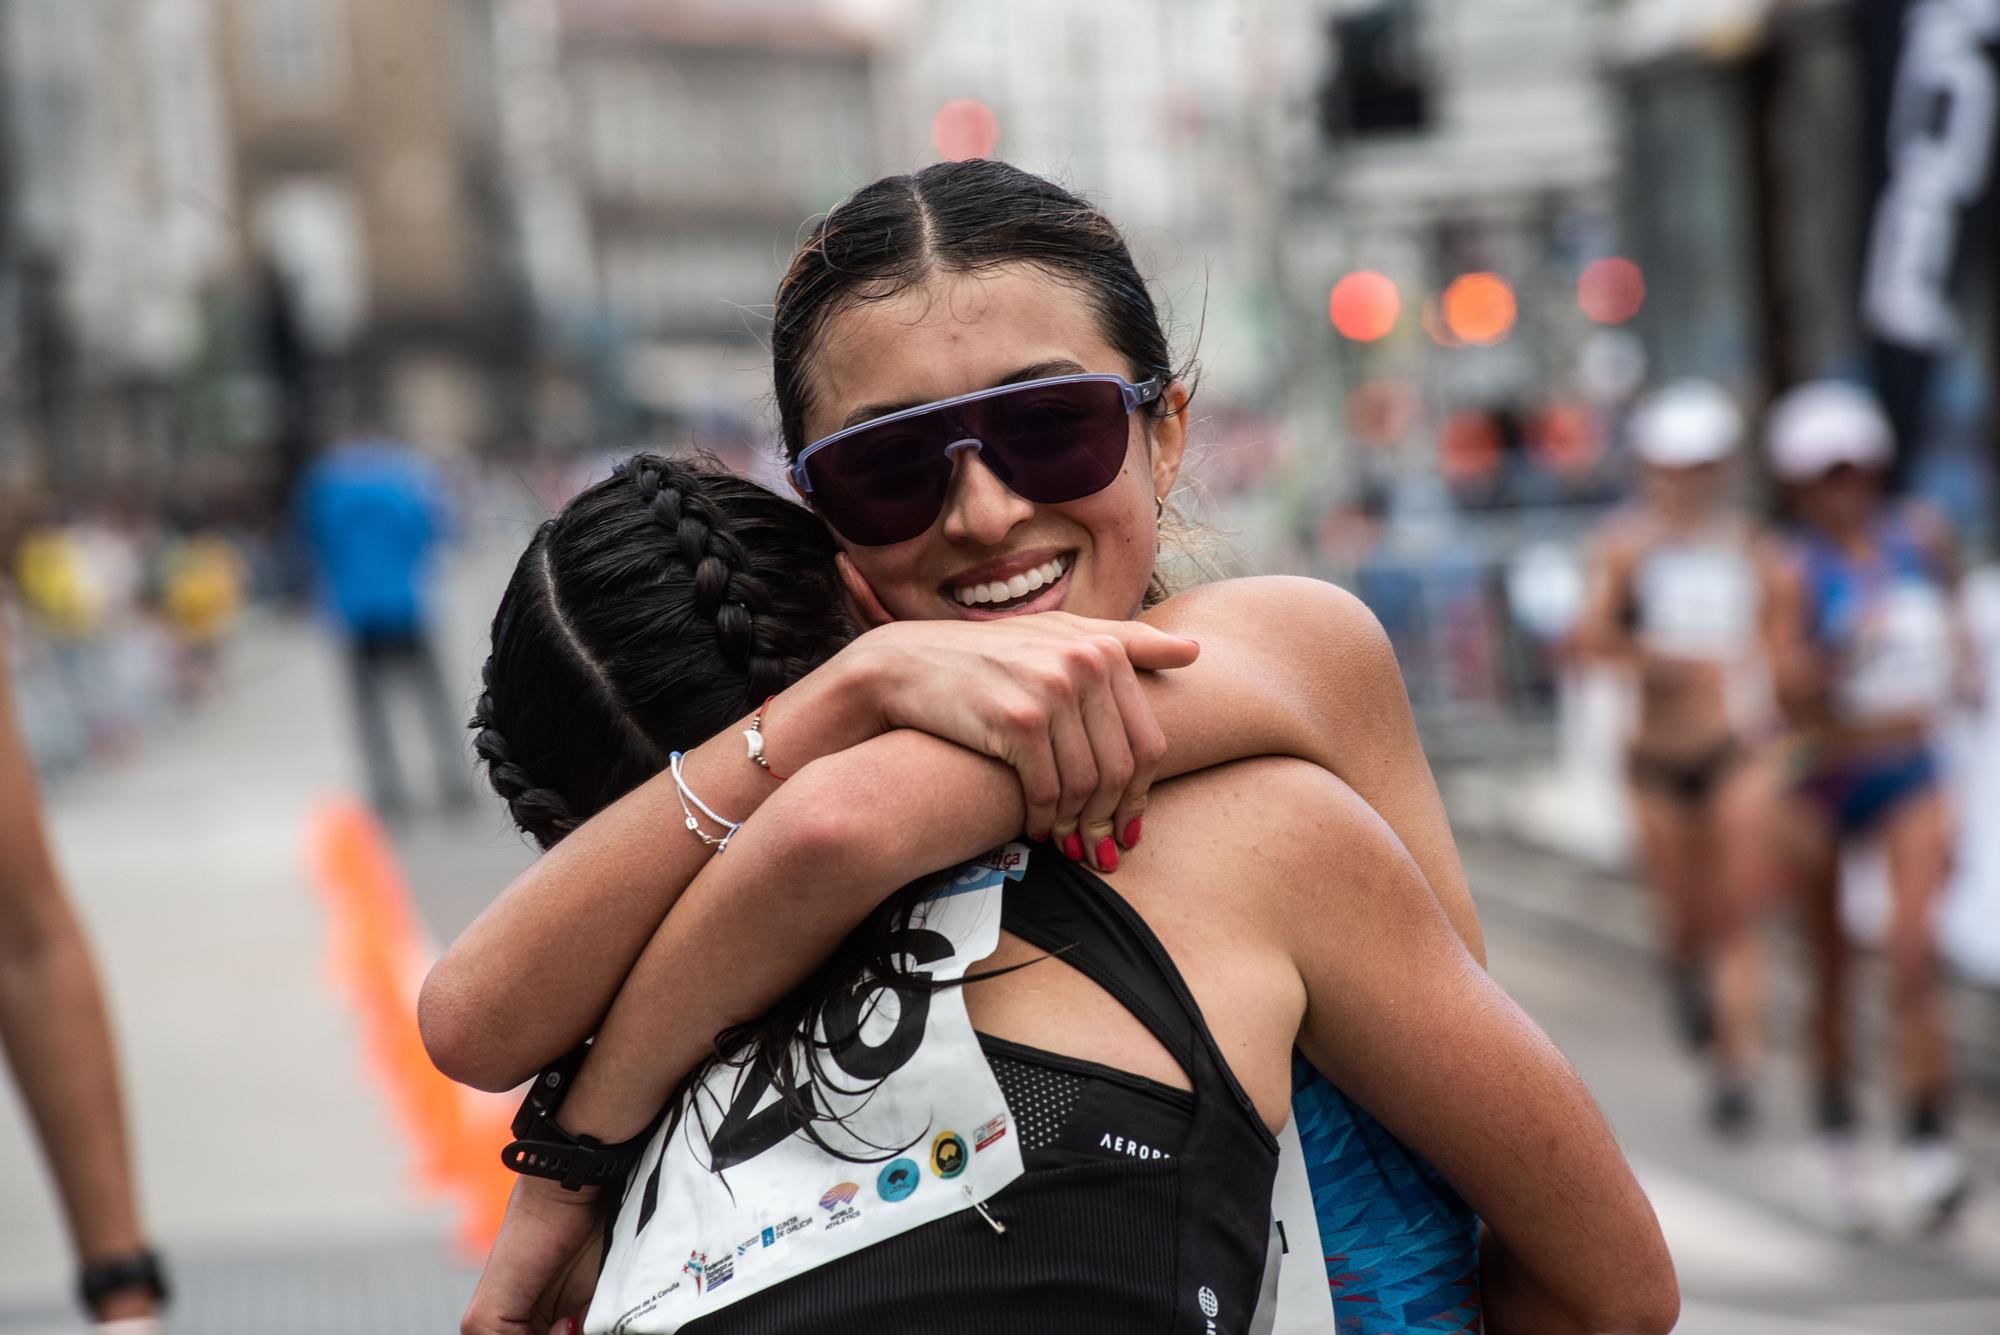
pixel 542 1148
pixel 140 1271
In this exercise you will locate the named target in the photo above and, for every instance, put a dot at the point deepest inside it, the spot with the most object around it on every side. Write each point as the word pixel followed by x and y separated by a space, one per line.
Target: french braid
pixel 725 589
pixel 541 813
pixel 663 604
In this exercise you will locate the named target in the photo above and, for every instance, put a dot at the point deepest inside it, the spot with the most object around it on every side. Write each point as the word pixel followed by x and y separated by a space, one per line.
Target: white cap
pixel 1819 426
pixel 1689 422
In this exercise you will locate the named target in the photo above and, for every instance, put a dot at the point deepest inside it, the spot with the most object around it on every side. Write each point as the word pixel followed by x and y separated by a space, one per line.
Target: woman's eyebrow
pixel 1034 371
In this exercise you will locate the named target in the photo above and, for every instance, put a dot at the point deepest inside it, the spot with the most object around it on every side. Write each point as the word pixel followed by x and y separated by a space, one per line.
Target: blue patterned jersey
pixel 1402 1250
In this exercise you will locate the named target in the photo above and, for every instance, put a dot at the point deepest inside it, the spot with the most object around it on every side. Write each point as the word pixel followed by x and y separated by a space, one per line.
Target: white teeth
pixel 1006 590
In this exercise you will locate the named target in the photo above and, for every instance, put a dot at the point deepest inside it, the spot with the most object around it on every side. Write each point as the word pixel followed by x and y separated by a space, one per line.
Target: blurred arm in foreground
pixel 56 1033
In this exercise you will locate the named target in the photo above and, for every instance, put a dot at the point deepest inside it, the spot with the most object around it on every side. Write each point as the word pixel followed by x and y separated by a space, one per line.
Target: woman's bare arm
pixel 1298 667
pixel 1401 1018
pixel 1288 667
pixel 801 867
pixel 545 957
pixel 55 1029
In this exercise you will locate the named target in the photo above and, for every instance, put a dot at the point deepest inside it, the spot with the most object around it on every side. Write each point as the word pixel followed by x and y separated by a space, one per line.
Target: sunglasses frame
pixel 1135 396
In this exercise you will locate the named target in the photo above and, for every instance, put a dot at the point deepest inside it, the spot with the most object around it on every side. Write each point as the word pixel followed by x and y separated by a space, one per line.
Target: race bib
pixel 690 1240
pixel 1696 603
pixel 1899 659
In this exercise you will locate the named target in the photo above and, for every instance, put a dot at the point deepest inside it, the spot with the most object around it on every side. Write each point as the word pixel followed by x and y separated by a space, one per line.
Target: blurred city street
pixel 1636 363
pixel 288 1196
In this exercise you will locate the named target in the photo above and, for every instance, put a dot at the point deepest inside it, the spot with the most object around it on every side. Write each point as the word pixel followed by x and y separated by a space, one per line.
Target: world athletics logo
pixel 838 1195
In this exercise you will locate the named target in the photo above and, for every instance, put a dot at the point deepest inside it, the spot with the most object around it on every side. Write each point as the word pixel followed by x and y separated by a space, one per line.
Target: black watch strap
pixel 574 1162
pixel 140 1271
pixel 541 1148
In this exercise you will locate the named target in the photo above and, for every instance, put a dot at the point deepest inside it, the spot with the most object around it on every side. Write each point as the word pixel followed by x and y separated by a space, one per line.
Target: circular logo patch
pixel 948 1154
pixel 898 1179
pixel 1209 1307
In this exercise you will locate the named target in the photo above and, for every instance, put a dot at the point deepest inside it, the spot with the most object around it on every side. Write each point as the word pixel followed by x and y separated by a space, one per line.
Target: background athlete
pixel 1870 648
pixel 1676 597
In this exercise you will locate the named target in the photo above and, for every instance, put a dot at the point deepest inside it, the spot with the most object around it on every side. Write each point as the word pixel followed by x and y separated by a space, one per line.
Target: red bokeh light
pixel 965 128
pixel 1469 448
pixel 1566 439
pixel 1364 305
pixel 1611 290
pixel 1479 308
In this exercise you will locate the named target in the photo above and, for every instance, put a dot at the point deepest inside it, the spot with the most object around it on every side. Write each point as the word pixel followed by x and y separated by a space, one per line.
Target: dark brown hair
pixel 954 217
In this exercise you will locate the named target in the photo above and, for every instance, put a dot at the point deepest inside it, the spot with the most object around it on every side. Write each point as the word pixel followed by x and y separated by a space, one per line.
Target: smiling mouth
pixel 1001 594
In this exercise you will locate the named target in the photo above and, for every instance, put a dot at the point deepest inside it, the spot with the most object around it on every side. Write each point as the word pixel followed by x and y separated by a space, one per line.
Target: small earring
pixel 1159 513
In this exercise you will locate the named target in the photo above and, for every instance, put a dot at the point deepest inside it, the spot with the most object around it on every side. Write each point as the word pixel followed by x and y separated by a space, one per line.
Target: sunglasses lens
pixel 1056 443
pixel 883 486
pixel 1048 443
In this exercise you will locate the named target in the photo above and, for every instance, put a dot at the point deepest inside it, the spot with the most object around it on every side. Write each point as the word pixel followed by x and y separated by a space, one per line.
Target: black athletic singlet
pixel 1145 1209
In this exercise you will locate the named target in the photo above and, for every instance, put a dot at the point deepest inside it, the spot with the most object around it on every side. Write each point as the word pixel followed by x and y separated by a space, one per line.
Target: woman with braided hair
pixel 1270 889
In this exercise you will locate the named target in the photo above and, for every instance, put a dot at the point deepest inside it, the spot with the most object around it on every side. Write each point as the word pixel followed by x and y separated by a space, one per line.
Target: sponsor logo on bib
pixel 839 1204
pixel 948 1154
pixel 708 1275
pixel 898 1180
pixel 989 1132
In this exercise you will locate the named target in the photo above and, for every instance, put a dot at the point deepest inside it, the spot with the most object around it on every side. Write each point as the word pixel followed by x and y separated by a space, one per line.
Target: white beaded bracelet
pixel 686 795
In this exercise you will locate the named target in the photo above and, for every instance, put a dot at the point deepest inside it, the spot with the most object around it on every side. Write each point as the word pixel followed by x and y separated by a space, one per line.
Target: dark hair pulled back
pixel 954 217
pixel 659 607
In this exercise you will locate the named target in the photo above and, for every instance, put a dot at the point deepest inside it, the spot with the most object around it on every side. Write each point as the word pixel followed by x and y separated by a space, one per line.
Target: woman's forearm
pixel 535 973
pixel 758 920
pixel 57 1037
pixel 531 977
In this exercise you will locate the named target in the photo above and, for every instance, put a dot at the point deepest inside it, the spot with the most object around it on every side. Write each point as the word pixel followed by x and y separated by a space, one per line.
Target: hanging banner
pixel 1933 85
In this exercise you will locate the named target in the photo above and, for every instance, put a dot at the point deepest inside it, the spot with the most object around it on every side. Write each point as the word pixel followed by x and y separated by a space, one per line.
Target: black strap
pixel 1071 912
pixel 139 1272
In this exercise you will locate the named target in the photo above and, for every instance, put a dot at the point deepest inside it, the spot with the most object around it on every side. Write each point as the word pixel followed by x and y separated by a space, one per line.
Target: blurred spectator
pixel 201 579
pixel 373 515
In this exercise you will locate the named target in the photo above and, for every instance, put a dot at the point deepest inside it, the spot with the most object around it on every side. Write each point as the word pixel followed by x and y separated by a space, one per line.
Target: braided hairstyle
pixel 659 607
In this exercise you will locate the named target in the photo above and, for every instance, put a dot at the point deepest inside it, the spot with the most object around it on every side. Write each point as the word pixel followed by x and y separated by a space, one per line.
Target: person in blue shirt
pixel 373 516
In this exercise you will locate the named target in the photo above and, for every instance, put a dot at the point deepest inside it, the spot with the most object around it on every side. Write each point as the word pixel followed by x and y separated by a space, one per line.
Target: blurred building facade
pixel 368 185
pixel 114 237
pixel 1818 176
pixel 699 136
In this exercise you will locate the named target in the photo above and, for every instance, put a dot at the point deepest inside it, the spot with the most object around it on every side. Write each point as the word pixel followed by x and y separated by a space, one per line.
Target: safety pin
pixel 998 1227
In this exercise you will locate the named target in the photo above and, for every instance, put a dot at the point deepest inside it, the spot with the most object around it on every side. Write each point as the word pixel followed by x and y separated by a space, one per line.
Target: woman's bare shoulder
pixel 1305 831
pixel 1320 626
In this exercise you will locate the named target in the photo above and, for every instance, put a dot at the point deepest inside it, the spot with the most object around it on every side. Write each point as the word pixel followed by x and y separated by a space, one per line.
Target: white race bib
pixel 1899 660
pixel 1697 602
pixel 782 1205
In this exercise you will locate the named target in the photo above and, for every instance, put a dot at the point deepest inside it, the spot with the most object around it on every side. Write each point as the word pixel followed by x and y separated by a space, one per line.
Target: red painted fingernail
pixel 1041 838
pixel 1107 855
pixel 1132 831
pixel 1072 847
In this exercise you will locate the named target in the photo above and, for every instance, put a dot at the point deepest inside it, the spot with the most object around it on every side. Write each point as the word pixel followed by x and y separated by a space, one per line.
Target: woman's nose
pixel 981 511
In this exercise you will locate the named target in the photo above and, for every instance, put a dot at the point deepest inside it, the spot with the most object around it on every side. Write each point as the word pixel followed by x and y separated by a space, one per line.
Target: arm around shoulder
pixel 1300 667
pixel 1400 1017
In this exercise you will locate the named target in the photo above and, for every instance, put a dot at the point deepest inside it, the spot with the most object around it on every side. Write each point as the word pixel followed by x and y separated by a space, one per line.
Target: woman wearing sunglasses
pixel 988 551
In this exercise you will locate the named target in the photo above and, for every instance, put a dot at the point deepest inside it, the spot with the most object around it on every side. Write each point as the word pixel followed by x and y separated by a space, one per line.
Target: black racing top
pixel 1144 1210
